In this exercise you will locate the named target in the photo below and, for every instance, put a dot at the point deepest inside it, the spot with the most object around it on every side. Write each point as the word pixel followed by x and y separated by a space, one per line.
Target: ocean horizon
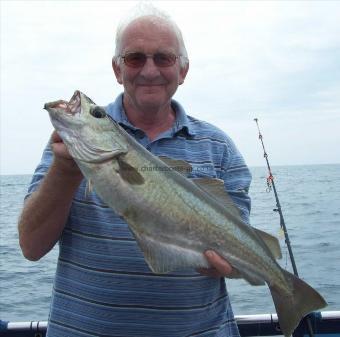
pixel 264 166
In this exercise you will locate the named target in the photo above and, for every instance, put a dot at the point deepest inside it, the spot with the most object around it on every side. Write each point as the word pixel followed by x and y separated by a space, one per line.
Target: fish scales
pixel 174 219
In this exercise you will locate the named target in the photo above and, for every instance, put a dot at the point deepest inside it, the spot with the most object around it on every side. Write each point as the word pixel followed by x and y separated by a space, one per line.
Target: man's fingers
pixel 220 264
pixel 55 137
pixel 211 272
pixel 59 148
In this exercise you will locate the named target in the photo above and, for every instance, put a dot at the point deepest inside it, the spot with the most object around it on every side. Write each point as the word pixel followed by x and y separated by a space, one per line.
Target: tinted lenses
pixel 138 59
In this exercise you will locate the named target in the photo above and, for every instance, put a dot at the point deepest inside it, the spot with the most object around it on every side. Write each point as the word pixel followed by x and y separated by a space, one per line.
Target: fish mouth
pixel 66 117
pixel 73 107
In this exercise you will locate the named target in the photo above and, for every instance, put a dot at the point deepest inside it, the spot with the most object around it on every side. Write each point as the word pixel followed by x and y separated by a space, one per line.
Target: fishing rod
pixel 271 184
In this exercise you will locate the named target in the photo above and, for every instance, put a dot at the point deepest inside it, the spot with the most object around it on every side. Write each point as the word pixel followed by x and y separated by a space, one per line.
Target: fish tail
pixel 293 307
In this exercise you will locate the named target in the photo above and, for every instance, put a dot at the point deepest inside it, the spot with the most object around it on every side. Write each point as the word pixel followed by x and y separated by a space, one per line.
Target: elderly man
pixel 103 286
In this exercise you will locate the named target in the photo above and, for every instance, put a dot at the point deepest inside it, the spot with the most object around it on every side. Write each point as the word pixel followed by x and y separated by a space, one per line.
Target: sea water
pixel 310 201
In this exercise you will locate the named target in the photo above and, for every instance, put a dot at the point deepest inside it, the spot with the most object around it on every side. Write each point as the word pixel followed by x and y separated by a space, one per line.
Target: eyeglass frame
pixel 150 56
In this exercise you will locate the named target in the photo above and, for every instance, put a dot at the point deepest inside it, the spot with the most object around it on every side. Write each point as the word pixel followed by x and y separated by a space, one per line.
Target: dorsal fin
pixel 215 188
pixel 178 165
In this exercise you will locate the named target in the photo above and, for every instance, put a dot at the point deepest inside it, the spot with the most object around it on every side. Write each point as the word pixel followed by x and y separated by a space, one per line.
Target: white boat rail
pixel 325 323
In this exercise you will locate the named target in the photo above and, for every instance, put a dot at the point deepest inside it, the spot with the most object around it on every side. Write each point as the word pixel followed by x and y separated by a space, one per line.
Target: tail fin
pixel 291 309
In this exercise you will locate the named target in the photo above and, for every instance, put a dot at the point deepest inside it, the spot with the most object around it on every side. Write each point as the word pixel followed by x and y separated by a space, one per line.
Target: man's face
pixel 149 87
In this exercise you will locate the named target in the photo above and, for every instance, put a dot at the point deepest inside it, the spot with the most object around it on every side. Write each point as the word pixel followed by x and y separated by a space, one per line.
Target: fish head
pixel 88 132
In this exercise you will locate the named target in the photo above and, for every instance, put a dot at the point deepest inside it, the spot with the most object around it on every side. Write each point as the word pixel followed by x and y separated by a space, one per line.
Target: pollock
pixel 175 219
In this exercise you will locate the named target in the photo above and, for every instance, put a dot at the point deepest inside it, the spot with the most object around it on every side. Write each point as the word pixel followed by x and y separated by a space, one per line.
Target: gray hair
pixel 147 10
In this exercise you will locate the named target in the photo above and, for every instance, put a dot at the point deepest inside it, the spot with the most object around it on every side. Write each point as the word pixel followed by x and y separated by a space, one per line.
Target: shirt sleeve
pixel 237 179
pixel 41 170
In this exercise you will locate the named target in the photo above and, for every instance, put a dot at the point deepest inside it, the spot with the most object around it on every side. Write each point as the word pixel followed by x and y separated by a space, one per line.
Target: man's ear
pixel 117 70
pixel 183 73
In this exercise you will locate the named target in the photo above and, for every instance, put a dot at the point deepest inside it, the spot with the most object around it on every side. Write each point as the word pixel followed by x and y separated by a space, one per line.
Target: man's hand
pixel 58 147
pixel 220 267
pixel 62 158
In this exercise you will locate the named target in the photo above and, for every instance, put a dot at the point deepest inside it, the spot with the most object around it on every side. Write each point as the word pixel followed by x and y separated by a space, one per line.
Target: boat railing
pixel 325 324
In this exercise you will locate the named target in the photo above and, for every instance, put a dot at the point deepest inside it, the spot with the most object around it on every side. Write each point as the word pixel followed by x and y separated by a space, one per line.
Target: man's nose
pixel 150 69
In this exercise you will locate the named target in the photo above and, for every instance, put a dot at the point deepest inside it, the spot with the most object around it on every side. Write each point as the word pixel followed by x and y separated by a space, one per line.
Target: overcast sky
pixel 277 61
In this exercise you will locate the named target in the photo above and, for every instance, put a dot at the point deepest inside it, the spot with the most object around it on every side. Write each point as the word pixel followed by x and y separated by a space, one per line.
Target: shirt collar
pixel 181 125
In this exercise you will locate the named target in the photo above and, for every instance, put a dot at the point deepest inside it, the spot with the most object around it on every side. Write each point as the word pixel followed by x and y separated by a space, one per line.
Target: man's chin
pixel 151 101
pixel 151 105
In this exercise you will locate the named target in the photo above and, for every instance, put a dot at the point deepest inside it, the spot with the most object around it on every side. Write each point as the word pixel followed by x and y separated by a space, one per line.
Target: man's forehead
pixel 152 29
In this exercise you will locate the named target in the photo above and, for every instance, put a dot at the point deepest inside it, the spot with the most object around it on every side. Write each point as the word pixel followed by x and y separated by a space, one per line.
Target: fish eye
pixel 97 112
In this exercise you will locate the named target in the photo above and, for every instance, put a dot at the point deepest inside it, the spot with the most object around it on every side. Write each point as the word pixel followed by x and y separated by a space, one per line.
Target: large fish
pixel 175 219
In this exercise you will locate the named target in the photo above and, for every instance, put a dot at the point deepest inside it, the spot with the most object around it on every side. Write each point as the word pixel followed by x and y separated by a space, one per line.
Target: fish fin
pixel 178 165
pixel 271 242
pixel 251 278
pixel 129 173
pixel 165 257
pixel 281 233
pixel 215 188
pixel 291 309
pixel 89 188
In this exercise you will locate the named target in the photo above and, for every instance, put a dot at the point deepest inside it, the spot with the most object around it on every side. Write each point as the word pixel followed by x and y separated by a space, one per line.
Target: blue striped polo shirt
pixel 103 286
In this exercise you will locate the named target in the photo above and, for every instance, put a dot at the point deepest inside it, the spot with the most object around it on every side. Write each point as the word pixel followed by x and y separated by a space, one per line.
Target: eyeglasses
pixel 138 59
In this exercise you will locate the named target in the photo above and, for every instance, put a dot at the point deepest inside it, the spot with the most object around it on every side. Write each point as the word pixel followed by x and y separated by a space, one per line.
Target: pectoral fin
pixel 129 173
